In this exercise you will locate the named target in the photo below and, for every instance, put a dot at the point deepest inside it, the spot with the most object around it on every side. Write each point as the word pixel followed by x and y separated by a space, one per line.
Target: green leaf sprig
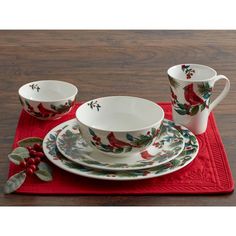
pixel 30 162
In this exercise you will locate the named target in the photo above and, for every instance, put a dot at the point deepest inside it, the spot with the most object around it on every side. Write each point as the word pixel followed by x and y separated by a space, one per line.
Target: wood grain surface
pixel 105 63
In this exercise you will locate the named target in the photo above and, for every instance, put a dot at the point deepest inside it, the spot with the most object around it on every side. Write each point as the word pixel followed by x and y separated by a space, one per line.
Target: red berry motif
pixel 29 148
pixel 33 167
pixel 29 171
pixel 37 160
pixel 31 161
pixel 23 164
pixel 39 154
pixel 37 147
pixel 32 153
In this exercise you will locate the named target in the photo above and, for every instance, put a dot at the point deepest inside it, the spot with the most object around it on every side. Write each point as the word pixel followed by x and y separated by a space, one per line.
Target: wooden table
pixel 105 63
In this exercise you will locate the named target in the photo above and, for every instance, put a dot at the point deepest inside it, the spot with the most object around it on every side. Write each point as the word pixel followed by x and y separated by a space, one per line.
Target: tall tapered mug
pixel 191 88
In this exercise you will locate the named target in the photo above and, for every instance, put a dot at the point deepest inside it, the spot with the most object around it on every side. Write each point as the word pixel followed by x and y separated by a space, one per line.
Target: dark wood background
pixel 105 63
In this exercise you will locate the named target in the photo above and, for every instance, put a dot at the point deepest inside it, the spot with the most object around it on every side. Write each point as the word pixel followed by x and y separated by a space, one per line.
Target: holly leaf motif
pixel 181 106
pixel 14 182
pixel 203 106
pixel 15 158
pixel 160 169
pixel 44 172
pixel 153 131
pixel 30 141
pixel 207 95
pixel 128 149
pixel 129 137
pixel 181 112
pixel 204 89
pixel 98 107
pixel 185 67
pixel 194 110
pixel 21 151
pixel 53 137
pixel 18 155
pixel 193 140
pixel 175 162
pixel 92 132
pixel 53 107
pixel 93 143
pixel 118 150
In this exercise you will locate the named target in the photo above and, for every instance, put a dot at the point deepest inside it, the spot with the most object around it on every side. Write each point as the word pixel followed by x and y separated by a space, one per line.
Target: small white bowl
pixel 120 125
pixel 47 99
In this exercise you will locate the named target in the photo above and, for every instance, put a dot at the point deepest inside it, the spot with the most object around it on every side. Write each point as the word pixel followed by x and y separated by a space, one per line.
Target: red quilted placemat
pixel 208 173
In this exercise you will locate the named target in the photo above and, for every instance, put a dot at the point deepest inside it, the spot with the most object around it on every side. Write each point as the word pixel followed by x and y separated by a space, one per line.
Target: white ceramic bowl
pixel 120 125
pixel 47 99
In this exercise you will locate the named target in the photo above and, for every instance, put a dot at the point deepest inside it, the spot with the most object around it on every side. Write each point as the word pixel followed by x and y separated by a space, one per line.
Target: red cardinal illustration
pixel 146 155
pixel 117 143
pixel 191 96
pixel 45 112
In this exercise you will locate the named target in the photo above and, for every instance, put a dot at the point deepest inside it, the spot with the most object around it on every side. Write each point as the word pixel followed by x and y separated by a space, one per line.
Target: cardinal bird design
pixel 146 155
pixel 191 96
pixel 117 143
pixel 45 112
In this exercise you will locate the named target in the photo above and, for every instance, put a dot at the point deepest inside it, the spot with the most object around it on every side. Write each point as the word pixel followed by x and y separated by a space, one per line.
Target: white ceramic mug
pixel 191 89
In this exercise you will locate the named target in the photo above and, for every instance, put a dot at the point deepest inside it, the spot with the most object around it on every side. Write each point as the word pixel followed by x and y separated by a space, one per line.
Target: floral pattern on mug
pixel 195 101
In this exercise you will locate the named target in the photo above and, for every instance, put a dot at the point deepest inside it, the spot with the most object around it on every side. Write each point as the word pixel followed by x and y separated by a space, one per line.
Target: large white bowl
pixel 47 99
pixel 120 125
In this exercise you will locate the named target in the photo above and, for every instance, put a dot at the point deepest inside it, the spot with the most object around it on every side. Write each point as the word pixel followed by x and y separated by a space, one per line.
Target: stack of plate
pixel 175 148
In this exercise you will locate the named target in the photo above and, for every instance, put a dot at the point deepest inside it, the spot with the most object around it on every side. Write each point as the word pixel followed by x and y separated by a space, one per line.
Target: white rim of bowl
pixel 56 100
pixel 127 130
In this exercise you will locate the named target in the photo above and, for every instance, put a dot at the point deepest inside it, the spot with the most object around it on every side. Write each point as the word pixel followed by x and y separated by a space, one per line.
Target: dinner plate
pixel 72 145
pixel 186 156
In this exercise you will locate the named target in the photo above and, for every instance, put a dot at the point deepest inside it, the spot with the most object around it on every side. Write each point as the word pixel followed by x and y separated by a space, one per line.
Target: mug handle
pixel 223 93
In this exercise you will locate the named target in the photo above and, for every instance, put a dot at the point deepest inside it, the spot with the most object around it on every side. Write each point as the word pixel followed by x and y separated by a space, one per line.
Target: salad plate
pixel 164 149
pixel 187 155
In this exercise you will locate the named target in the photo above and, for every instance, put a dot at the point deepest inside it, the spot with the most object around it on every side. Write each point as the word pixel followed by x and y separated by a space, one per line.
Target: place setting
pixel 121 138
